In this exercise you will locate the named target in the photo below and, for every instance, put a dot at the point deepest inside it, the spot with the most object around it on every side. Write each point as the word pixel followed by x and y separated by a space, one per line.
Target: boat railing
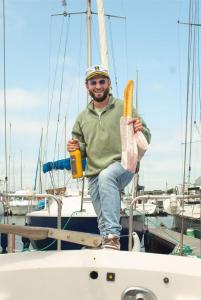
pixel 144 198
pixel 47 197
pixel 59 209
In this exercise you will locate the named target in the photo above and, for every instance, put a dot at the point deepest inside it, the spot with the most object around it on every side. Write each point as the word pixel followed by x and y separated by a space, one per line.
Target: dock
pixel 163 240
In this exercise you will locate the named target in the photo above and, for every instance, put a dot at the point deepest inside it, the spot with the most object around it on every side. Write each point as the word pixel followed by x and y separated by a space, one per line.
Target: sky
pixel 40 80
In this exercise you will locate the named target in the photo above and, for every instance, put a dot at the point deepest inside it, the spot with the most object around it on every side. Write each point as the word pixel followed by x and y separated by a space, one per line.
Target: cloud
pixel 163 162
pixel 21 99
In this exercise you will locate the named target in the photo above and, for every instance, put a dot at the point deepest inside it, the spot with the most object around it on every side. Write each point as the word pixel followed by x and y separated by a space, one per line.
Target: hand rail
pixel 59 207
pixel 147 197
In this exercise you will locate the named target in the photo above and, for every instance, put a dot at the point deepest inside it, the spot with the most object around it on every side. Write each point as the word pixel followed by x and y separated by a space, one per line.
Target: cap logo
pixel 97 68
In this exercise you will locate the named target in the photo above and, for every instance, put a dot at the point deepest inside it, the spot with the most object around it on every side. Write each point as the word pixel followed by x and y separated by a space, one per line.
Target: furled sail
pixel 60 165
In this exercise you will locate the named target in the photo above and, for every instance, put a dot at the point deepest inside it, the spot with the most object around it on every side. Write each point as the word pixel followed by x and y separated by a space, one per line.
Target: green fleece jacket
pixel 99 136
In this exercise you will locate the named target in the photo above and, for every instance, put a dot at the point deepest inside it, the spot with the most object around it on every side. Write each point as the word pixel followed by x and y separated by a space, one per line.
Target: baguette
pixel 128 99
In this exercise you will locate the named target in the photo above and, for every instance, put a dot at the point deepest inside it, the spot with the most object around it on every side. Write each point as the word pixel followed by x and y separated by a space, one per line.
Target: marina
pixel 112 207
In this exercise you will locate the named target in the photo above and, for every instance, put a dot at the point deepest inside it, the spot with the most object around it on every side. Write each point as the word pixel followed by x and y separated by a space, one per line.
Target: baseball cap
pixel 96 70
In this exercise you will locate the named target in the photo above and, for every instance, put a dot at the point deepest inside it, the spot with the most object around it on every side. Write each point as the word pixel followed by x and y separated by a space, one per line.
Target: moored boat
pixel 21 202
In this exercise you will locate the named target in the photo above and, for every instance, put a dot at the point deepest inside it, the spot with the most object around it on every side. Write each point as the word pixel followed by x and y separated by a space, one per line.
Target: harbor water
pixel 16 220
pixel 154 222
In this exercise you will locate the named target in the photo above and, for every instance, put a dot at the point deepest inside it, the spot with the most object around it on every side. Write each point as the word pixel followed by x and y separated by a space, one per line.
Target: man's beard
pixel 102 98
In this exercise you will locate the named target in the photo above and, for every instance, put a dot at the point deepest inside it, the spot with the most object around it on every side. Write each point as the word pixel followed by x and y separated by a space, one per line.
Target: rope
pixel 54 241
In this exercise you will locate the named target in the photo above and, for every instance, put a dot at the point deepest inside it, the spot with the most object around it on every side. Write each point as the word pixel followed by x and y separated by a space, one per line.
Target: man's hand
pixel 137 125
pixel 73 145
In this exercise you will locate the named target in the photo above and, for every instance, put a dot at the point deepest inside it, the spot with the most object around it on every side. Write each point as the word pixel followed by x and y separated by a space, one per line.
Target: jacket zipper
pixel 99 117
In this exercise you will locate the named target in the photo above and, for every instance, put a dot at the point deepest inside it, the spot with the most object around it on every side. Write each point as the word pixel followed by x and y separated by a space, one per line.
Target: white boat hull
pixel 1 211
pixel 22 207
pixel 68 275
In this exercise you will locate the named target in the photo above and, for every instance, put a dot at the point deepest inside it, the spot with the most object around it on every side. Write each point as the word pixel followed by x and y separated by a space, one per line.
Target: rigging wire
pixel 52 92
pixel 113 58
pixel 195 88
pixel 180 115
pixel 197 129
pixel 68 100
pixel 44 156
pixel 193 77
pixel 49 69
pixel 186 127
pixel 126 41
pixel 61 87
pixel 199 80
pixel 63 137
pixel 187 98
pixel 5 111
pixel 79 63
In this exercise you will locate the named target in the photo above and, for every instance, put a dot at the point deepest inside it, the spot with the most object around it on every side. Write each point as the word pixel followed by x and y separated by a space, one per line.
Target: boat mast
pixel 13 172
pixel 9 160
pixel 65 149
pixel 21 169
pixel 40 186
pixel 102 34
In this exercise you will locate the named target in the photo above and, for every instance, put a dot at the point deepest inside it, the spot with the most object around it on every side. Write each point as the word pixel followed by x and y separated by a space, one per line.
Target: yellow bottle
pixel 76 164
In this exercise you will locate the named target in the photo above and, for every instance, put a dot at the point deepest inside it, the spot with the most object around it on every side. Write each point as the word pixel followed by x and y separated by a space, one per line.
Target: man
pixel 97 134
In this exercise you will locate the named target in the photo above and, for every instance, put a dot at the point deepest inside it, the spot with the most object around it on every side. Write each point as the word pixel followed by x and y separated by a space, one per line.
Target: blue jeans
pixel 104 190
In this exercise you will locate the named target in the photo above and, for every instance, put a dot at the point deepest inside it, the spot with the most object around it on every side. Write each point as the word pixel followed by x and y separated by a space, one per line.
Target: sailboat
pixel 95 274
pixel 21 203
pixel 77 212
pixel 188 214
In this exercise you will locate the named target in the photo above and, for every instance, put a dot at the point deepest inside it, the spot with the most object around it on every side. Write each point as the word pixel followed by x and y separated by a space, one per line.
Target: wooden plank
pixel 82 238
pixel 33 233
pixel 173 238
pixel 40 233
